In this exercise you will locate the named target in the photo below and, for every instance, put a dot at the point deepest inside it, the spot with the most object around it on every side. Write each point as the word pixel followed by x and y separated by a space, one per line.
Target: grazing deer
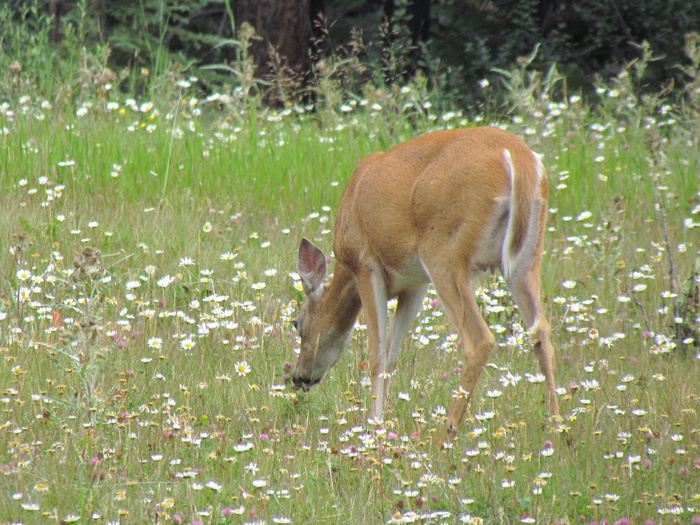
pixel 437 209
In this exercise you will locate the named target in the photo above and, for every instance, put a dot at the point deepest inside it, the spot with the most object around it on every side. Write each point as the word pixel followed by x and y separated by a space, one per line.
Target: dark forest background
pixel 451 45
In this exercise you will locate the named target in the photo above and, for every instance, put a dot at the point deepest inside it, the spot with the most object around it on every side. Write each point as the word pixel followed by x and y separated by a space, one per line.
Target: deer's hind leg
pixel 456 296
pixel 525 289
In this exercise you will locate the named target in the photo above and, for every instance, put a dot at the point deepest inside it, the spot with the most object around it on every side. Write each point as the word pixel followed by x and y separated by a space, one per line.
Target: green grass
pixel 103 422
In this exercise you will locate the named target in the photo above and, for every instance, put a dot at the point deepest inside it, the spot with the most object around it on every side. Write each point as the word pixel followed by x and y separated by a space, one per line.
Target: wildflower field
pixel 148 287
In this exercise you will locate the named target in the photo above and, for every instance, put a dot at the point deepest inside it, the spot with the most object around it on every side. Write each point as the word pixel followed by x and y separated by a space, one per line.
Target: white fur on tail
pixel 510 257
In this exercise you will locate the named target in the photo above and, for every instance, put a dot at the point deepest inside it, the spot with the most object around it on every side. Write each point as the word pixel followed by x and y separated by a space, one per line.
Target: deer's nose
pixel 303 382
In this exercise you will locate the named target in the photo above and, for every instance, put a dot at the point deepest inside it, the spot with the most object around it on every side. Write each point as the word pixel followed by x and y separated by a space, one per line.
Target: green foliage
pixel 30 58
pixel 585 39
pixel 146 46
pixel 165 37
pixel 150 44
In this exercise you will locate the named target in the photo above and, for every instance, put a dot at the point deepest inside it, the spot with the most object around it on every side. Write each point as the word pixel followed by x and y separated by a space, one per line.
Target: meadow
pixel 148 287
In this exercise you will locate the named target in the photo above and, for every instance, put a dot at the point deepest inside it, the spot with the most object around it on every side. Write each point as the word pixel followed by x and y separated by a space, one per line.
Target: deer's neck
pixel 342 302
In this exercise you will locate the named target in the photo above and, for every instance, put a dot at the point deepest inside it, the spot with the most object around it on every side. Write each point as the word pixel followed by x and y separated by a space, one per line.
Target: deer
pixel 439 208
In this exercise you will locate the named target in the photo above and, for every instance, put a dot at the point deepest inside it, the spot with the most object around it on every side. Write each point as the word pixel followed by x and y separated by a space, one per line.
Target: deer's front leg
pixel 374 297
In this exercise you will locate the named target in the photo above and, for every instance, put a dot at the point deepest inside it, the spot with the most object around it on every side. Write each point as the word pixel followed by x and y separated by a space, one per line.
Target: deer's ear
pixel 311 266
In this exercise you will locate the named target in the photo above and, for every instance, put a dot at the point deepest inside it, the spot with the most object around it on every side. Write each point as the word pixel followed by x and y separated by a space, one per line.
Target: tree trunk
pixel 419 25
pixel 285 31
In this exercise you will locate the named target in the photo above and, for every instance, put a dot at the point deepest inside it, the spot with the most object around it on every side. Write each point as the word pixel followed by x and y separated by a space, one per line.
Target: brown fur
pixel 438 207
